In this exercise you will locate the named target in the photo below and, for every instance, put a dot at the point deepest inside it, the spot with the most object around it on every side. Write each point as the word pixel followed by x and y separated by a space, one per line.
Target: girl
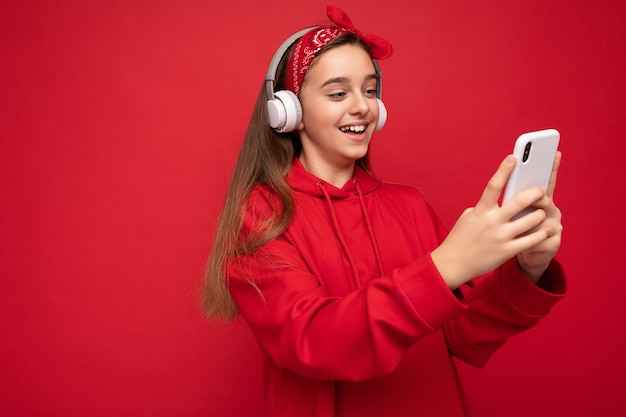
pixel 354 291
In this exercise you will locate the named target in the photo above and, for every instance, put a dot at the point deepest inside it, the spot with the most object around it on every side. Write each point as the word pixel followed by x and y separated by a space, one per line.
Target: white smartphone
pixel 535 152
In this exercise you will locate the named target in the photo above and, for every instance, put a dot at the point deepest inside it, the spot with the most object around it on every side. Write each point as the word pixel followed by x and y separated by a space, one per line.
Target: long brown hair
pixel 265 157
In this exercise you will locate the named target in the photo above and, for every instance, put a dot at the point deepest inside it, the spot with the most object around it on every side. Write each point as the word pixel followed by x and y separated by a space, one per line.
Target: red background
pixel 119 125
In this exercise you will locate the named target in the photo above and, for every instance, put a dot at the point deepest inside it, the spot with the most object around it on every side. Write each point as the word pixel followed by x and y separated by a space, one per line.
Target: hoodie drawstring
pixel 370 230
pixel 355 273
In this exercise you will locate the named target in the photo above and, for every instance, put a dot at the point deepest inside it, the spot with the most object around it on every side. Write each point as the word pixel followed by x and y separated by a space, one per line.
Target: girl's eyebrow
pixel 341 80
pixel 336 80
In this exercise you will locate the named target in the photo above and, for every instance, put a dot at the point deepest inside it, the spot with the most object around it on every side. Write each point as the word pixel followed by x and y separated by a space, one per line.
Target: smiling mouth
pixel 353 129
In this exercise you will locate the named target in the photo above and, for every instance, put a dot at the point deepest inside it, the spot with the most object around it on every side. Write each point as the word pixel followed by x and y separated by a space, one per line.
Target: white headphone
pixel 284 108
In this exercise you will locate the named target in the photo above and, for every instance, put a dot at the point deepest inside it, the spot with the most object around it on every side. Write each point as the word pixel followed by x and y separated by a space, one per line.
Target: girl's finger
pixel 491 194
pixel 527 199
pixel 526 224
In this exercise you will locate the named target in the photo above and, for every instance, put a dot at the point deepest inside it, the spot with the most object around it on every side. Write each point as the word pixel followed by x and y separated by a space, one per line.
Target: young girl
pixel 354 291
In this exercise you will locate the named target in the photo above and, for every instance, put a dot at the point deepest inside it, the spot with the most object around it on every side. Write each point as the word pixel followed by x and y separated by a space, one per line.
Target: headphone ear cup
pixel 382 115
pixel 284 111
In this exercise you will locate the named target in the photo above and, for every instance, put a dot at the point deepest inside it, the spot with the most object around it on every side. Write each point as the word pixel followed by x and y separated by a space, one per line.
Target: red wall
pixel 119 125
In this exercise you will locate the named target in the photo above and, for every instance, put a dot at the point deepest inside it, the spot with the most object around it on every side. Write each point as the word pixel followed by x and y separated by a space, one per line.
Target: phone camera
pixel 526 152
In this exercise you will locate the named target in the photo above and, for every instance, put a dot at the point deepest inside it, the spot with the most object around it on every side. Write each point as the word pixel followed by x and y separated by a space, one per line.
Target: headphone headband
pixel 270 77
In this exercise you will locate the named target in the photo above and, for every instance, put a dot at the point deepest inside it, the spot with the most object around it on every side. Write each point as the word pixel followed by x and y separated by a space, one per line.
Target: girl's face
pixel 339 109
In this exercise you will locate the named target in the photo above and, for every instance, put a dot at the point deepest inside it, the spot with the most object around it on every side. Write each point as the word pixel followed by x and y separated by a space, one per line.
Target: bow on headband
pixel 307 48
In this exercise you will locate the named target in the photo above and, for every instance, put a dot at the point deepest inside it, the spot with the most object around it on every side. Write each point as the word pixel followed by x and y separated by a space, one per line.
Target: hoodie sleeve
pixel 500 305
pixel 359 336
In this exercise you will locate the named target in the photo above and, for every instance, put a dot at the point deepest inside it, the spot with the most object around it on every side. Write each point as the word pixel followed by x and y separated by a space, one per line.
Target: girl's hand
pixel 484 237
pixel 534 261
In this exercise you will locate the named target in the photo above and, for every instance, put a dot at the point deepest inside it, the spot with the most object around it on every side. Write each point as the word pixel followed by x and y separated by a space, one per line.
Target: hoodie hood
pixel 299 179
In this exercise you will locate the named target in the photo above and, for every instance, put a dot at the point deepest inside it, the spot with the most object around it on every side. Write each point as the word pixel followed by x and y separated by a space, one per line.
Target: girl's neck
pixel 335 175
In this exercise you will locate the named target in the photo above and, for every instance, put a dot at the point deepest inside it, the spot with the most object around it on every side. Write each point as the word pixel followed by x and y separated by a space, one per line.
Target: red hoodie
pixel 351 314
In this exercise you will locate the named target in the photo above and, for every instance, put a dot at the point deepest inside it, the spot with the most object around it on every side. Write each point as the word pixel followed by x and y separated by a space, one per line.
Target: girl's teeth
pixel 356 129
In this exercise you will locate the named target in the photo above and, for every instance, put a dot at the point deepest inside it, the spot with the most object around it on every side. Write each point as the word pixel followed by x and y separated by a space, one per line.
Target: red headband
pixel 310 44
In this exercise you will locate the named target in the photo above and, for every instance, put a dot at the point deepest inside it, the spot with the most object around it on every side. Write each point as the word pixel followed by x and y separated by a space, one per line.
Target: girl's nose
pixel 360 104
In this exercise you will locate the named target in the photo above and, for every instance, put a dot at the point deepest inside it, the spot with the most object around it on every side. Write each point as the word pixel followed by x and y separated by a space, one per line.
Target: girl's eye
pixel 337 95
pixel 371 92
